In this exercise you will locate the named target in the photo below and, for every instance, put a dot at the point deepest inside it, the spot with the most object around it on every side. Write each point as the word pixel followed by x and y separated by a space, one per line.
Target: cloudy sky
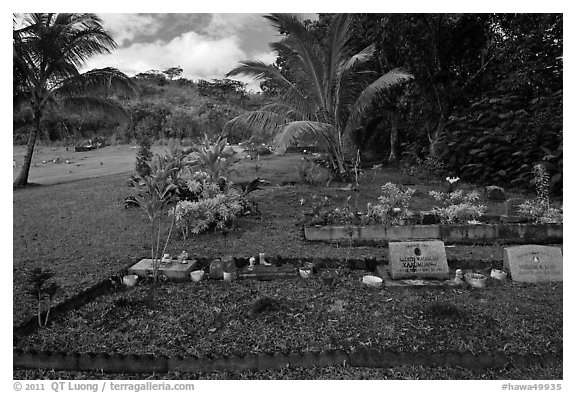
pixel 206 46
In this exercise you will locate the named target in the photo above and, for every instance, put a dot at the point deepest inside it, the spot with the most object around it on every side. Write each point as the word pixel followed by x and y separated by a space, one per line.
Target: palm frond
pixel 359 58
pixel 290 133
pixel 369 94
pixel 104 81
pixel 91 103
pixel 308 50
pixel 261 71
pixel 260 122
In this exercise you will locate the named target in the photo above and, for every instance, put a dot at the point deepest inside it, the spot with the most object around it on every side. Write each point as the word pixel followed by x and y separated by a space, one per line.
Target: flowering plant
pixel 392 208
pixel 457 206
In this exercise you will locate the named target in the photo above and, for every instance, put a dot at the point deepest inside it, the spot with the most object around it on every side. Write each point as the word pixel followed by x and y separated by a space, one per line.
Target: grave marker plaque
pixel 174 270
pixel 422 259
pixel 533 263
pixel 512 214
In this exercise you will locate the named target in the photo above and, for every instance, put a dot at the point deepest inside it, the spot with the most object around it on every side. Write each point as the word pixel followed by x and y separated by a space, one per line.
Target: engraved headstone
pixel 531 263
pixel 420 259
pixel 512 213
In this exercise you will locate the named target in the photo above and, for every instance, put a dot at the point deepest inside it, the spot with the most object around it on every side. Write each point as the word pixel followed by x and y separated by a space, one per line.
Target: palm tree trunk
pixel 22 178
pixel 435 138
pixel 393 136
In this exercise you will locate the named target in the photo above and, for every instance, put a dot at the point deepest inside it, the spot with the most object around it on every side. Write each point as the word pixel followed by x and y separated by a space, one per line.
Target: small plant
pixel 392 206
pixel 452 183
pixel 143 156
pixel 539 209
pixel 40 290
pixel 457 207
pixel 157 192
pixel 211 157
pixel 309 172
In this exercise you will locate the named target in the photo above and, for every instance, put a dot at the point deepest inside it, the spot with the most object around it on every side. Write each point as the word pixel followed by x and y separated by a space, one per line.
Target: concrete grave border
pixel 357 358
pixel 450 234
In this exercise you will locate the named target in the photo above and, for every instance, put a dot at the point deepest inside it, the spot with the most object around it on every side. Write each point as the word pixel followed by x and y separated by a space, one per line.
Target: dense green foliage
pixel 486 97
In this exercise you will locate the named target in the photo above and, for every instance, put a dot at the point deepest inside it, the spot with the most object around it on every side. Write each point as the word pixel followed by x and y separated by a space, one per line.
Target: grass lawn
pixel 83 233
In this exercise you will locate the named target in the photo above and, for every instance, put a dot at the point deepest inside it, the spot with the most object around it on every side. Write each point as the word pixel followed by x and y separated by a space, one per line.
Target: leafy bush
pixel 457 206
pixel 309 172
pixel 539 209
pixel 143 156
pixel 215 207
pixel 392 208
pixel 501 136
pixel 211 157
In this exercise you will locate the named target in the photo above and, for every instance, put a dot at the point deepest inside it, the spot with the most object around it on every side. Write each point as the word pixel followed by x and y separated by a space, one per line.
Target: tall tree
pixel 48 51
pixel 328 92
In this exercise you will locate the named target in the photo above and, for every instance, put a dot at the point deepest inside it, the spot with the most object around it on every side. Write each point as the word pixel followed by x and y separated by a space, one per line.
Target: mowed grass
pixel 82 232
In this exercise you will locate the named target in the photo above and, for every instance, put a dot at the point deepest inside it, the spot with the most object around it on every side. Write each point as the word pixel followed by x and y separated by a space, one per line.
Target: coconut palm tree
pixel 48 51
pixel 327 93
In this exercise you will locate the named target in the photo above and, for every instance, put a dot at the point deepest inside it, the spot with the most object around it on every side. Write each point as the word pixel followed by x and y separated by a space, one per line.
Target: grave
pixel 512 214
pixel 418 259
pixel 174 270
pixel 260 272
pixel 532 263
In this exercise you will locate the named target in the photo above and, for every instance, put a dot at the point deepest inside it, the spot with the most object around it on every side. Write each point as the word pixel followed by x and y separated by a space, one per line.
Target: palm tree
pixel 326 95
pixel 48 50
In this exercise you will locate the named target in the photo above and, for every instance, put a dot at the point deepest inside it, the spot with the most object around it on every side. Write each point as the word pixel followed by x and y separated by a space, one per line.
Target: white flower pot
pixel 476 280
pixel 305 273
pixel 197 275
pixel 372 281
pixel 130 280
pixel 498 274
pixel 228 276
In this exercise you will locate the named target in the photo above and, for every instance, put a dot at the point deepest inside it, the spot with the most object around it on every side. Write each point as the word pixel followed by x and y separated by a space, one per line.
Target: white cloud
pixel 222 25
pixel 125 27
pixel 199 56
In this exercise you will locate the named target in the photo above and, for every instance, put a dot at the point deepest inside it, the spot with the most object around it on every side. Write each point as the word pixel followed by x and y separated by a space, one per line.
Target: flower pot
pixel 498 274
pixel 130 280
pixel 476 280
pixel 305 273
pixel 372 281
pixel 197 275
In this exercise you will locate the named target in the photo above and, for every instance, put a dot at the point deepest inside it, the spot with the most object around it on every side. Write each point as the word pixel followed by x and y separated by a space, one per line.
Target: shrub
pixel 216 207
pixel 143 156
pixel 309 172
pixel 539 209
pixel 457 207
pixel 393 205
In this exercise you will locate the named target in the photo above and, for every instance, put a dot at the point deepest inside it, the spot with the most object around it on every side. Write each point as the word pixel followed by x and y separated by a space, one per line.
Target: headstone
pixel 421 259
pixel 175 270
pixel 429 218
pixel 495 193
pixel 531 263
pixel 512 214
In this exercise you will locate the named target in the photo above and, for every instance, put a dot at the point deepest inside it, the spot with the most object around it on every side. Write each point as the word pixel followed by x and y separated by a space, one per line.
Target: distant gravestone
pixel 531 263
pixel 422 259
pixel 512 213
pixel 495 193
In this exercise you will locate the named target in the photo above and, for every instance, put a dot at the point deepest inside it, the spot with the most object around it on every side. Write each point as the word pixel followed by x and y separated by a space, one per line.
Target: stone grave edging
pixel 451 234
pixel 372 358
pixel 30 325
